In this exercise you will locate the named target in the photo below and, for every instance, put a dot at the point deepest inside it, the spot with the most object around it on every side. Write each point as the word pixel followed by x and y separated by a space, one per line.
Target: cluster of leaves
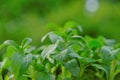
pixel 63 56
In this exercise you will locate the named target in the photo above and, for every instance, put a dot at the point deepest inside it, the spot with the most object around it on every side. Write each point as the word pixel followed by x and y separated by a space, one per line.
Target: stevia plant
pixel 62 56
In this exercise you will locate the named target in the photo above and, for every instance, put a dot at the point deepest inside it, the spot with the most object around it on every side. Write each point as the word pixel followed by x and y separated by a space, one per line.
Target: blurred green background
pixel 34 18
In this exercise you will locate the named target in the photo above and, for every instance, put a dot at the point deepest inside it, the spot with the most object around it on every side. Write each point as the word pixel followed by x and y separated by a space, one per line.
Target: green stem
pixel 83 67
pixel 112 70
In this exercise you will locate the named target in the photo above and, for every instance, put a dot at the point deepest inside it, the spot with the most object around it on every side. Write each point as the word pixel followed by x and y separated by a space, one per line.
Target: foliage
pixel 28 18
pixel 62 56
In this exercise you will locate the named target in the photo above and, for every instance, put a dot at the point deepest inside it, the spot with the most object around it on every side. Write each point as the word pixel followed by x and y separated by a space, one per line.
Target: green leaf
pixel 72 53
pixel 10 51
pixel 26 42
pixel 110 42
pixel 72 66
pixel 11 77
pixel 25 63
pixel 44 76
pixel 106 54
pixel 3 63
pixel 22 78
pixel 94 44
pixel 62 56
pixel 50 59
pixel 79 38
pixel 16 62
pixel 44 37
pixel 79 28
pixel 72 24
pixel 100 67
pixel 30 49
pixel 1 46
pixel 48 50
pixel 53 37
pixel 117 53
pixel 66 55
pixel 11 43
pixel 103 68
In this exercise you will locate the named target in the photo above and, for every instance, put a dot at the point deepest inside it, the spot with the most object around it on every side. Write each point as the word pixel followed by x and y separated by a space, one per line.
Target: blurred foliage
pixel 34 18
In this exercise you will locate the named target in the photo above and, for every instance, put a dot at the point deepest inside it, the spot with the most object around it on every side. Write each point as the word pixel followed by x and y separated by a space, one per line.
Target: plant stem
pixel 112 70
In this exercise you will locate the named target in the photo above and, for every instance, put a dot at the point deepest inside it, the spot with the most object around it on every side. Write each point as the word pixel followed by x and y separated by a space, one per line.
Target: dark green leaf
pixel 100 67
pixel 72 66
pixel 106 54
pixel 44 76
pixel 103 68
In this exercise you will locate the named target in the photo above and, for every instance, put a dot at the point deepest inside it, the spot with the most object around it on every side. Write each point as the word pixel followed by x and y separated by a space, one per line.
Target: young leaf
pixel 49 50
pixel 53 37
pixel 26 42
pixel 11 43
pixel 80 28
pixel 79 38
pixel 44 37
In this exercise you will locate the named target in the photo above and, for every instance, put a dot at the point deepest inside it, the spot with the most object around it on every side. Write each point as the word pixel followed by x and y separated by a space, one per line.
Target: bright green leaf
pixel 26 42
pixel 16 62
pixel 53 37
pixel 11 43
